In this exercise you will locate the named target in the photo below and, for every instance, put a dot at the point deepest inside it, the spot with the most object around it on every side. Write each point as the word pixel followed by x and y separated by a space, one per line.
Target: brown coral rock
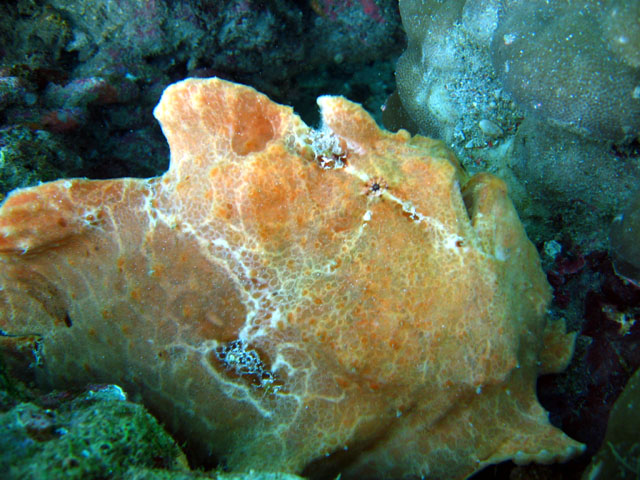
pixel 283 298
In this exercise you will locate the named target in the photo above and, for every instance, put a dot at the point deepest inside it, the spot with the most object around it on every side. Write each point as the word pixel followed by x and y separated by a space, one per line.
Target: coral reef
pixel 444 78
pixel 90 72
pixel 535 92
pixel 496 80
pixel 33 33
pixel 552 58
pixel 317 301
pixel 29 157
pixel 569 184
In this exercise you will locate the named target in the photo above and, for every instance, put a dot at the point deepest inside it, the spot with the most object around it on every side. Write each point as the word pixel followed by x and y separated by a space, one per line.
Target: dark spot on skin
pixel 67 320
pixel 375 186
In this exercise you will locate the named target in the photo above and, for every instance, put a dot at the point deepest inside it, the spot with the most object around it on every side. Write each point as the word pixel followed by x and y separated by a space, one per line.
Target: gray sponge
pixel 575 64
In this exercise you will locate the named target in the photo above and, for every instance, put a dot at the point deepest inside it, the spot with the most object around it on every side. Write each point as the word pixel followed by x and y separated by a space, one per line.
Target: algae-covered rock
pixel 29 157
pixel 97 435
pixel 32 33
pixel 90 434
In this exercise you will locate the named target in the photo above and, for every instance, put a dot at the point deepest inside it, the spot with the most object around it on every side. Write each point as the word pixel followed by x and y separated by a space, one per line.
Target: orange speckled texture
pixel 282 298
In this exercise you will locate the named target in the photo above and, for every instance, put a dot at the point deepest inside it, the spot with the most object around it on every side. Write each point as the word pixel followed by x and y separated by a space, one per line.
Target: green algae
pixel 91 437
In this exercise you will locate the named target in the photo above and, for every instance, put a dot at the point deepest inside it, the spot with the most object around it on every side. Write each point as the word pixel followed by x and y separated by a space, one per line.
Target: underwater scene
pixel 320 239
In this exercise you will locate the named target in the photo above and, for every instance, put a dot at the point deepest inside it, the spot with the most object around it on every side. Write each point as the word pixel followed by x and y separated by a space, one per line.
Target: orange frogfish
pixel 316 301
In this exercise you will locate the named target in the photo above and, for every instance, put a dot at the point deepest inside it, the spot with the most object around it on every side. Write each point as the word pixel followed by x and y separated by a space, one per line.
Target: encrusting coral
pixel 283 298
